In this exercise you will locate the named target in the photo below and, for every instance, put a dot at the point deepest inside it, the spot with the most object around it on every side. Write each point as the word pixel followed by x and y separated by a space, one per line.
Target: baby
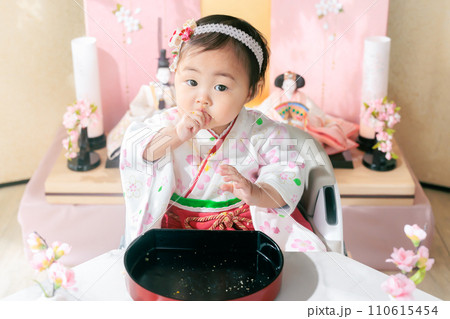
pixel 210 163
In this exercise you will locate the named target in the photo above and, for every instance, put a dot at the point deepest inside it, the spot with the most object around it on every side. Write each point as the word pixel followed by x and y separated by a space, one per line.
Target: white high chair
pixel 320 203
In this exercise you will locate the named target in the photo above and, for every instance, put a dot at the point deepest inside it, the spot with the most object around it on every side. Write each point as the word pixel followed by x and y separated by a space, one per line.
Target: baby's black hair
pixel 216 40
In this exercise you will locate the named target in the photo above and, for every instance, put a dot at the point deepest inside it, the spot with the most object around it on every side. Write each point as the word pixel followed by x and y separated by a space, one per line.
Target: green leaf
pixel 390 131
pixel 117 8
pixel 160 188
pixel 366 105
pixel 394 156
pixel 376 145
pixel 297 181
pixel 384 100
pixel 259 121
pixel 419 276
pixel 397 109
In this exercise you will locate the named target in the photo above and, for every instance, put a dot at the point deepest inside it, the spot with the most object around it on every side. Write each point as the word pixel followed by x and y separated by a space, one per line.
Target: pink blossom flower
pixel 74 135
pixel 382 136
pixel 415 233
pixel 60 250
pixel 61 276
pixel 378 105
pixel 404 259
pixel 302 245
pixel 378 126
pixel 65 143
pixel 399 286
pixel 382 116
pixel 79 114
pixel 70 154
pixel 70 120
pixel 385 146
pixel 43 259
pixel 36 242
pixel 424 260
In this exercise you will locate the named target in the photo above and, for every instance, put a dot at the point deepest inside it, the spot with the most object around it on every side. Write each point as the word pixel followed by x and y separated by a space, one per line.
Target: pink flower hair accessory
pixel 179 36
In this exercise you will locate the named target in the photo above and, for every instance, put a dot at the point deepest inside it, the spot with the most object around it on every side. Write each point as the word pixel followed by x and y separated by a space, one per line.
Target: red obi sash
pixel 232 219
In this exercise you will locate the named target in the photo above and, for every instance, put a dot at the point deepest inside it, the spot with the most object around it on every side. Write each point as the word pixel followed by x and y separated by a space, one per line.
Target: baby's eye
pixel 220 87
pixel 191 82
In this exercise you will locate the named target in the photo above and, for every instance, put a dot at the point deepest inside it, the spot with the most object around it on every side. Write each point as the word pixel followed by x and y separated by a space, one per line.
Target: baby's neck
pixel 219 130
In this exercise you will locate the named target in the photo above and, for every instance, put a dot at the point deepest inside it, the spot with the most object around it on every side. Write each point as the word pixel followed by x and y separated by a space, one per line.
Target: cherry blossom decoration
pixel 324 9
pixel 382 115
pixel 400 286
pixel 130 23
pixel 79 114
pixel 47 258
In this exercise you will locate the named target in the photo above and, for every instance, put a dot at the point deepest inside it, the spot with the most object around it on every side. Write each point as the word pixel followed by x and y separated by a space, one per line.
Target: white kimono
pixel 259 148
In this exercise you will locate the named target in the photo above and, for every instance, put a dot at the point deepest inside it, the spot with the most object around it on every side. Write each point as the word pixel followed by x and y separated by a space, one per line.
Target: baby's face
pixel 215 82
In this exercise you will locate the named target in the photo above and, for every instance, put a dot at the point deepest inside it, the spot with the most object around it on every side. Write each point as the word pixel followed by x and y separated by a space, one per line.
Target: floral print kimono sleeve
pixel 281 167
pixel 147 186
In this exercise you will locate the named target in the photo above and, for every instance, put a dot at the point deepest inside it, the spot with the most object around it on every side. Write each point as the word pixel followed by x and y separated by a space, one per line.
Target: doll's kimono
pixel 182 188
pixel 300 111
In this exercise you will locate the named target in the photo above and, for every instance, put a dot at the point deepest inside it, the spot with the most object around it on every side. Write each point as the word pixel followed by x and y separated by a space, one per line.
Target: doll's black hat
pixel 163 62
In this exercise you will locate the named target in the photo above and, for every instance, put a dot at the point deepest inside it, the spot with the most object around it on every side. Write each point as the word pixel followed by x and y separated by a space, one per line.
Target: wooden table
pixel 359 186
pixel 98 186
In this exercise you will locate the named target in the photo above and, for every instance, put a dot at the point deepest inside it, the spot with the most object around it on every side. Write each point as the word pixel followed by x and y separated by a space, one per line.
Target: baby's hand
pixel 241 187
pixel 191 123
pixel 261 194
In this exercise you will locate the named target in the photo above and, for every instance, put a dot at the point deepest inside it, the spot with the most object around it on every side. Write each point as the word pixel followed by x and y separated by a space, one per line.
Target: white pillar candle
pixel 87 80
pixel 375 75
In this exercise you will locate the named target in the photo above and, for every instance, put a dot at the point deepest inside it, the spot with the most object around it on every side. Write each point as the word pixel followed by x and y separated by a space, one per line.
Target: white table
pixel 306 276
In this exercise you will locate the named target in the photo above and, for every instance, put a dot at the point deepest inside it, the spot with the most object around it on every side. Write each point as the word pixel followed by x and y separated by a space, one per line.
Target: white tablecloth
pixel 306 276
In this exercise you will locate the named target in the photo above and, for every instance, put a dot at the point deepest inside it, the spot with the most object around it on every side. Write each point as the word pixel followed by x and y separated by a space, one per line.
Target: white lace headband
pixel 190 28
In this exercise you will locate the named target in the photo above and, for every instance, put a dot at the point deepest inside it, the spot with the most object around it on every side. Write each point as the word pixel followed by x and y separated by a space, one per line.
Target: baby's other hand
pixel 191 123
pixel 240 186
